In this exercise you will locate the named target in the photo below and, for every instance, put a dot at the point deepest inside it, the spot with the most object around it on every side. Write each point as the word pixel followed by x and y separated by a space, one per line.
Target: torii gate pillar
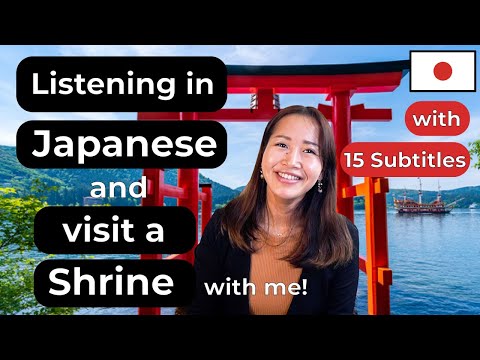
pixel 341 120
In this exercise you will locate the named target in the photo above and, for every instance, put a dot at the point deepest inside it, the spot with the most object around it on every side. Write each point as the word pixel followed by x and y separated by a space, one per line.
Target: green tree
pixel 17 215
pixel 475 150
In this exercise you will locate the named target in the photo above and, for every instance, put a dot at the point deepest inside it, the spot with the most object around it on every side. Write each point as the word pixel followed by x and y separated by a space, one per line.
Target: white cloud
pixel 7 91
pixel 120 50
pixel 255 55
pixel 157 50
pixel 229 54
pixel 117 50
pixel 8 138
pixel 124 50
pixel 363 132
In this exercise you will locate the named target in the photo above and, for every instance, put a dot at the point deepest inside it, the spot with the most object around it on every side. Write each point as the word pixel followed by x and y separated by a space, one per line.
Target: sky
pixel 244 138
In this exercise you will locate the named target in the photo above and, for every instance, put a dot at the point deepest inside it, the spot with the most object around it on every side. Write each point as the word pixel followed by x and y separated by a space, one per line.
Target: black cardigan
pixel 329 291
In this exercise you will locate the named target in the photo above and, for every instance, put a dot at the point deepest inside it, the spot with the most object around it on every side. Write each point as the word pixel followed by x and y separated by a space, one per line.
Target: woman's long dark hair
pixel 325 239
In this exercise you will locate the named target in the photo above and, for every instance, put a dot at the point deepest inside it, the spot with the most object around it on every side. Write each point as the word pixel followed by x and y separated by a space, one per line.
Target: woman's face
pixel 291 163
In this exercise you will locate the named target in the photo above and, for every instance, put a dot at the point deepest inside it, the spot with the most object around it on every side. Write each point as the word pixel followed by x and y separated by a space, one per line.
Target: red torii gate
pixel 340 83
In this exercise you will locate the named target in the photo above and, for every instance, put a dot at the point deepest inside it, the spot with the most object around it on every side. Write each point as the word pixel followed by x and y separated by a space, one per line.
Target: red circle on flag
pixel 442 71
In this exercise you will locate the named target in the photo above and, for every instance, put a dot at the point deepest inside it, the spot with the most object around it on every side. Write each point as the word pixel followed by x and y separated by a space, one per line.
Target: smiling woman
pixel 291 162
pixel 283 229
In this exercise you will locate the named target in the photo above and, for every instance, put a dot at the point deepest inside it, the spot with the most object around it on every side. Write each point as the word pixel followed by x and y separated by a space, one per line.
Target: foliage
pixel 17 215
pixel 475 150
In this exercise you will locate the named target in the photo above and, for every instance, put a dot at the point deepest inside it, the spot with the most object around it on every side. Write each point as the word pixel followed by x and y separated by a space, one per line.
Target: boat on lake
pixel 407 205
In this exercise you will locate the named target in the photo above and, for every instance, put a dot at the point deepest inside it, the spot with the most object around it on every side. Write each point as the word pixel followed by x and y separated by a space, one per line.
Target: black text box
pixel 121 144
pixel 114 230
pixel 112 83
pixel 94 283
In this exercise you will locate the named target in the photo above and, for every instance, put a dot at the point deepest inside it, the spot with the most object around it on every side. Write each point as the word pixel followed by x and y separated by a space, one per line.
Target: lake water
pixel 435 261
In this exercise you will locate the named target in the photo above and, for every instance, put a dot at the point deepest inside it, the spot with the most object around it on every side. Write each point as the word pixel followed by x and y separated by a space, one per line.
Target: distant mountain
pixel 240 188
pixel 74 184
pixel 11 171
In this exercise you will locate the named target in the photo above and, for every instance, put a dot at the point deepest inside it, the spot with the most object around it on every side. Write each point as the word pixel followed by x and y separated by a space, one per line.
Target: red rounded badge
pixel 437 118
pixel 405 159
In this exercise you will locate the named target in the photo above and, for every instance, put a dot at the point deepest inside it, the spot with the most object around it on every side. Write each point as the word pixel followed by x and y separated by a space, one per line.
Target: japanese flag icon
pixel 443 71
